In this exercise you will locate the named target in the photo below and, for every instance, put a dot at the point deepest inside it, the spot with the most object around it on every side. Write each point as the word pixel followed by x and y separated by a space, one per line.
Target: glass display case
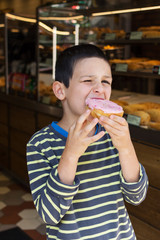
pixel 21 54
pixel 124 35
pixel 2 54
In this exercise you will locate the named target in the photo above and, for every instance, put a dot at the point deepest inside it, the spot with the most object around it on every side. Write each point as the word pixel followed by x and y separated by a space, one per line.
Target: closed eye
pixel 107 82
pixel 87 80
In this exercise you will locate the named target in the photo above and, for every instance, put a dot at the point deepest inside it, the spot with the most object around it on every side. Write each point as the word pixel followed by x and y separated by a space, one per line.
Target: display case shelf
pixel 130 42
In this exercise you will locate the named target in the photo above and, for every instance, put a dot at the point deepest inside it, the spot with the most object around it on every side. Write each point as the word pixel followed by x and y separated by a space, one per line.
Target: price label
pixel 134 120
pixel 46 99
pixel 110 36
pixel 121 67
pixel 136 35
pixel 92 37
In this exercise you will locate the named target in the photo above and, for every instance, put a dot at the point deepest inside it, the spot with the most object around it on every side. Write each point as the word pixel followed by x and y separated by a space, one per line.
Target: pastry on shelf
pixel 120 102
pixel 150 31
pixel 149 28
pixel 131 108
pixel 119 33
pixel 154 125
pixel 149 112
pixel 2 81
pixel 137 64
pixel 154 114
pixel 145 117
pixel 150 105
pixel 151 34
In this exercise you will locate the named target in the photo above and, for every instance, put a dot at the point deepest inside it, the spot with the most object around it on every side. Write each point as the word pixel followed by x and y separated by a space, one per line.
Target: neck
pixel 65 123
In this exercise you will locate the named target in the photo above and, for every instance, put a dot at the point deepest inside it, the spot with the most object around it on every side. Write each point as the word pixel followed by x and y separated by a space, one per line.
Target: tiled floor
pixel 17 209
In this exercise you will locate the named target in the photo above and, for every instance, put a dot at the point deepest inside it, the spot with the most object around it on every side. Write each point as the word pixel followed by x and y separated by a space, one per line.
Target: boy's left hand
pixel 117 127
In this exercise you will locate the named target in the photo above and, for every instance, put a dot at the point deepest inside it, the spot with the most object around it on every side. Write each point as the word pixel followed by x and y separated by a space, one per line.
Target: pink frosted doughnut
pixel 101 107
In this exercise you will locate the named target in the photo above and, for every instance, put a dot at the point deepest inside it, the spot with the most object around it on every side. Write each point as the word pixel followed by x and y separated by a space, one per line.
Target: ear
pixel 58 89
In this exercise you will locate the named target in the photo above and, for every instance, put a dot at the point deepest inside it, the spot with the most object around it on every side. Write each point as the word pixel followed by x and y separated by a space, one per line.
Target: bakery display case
pixel 21 56
pixel 2 54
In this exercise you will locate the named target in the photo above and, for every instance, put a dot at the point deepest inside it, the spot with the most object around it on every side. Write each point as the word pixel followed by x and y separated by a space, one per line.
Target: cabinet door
pixel 18 162
pixel 44 119
pixel 23 119
pixel 4 160
pixel 144 231
pixel 4 137
pixel 150 158
pixel 148 210
pixel 19 167
pixel 3 113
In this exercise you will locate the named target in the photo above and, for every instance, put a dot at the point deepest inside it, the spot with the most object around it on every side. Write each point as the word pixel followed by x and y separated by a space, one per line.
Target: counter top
pixel 52 110
pixel 132 97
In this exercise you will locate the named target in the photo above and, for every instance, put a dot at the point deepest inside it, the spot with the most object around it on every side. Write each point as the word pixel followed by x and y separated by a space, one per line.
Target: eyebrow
pixel 87 76
pixel 106 76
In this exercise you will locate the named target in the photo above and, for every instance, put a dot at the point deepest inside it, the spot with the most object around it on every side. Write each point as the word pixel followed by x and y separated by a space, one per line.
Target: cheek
pixel 108 90
pixel 83 92
pixel 108 94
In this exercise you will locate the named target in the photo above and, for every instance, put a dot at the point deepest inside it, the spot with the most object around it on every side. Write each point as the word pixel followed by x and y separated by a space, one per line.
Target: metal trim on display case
pixel 6 55
pixel 146 136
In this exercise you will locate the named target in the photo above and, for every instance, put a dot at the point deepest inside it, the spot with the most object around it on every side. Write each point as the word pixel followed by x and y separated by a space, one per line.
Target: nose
pixel 98 88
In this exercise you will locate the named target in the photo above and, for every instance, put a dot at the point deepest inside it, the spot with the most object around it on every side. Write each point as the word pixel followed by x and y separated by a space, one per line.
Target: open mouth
pixel 97 98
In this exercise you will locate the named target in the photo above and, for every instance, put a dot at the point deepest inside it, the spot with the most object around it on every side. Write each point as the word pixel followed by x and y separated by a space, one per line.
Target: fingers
pixel 114 121
pixel 82 119
pixel 119 120
pixel 89 127
pixel 114 124
pixel 82 128
pixel 113 118
pixel 83 125
pixel 96 137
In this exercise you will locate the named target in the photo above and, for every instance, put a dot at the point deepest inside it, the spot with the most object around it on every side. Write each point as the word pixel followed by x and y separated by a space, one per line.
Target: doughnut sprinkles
pixel 101 107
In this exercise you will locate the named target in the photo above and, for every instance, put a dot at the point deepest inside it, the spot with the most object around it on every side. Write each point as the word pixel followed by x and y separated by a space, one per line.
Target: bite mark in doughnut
pixel 100 107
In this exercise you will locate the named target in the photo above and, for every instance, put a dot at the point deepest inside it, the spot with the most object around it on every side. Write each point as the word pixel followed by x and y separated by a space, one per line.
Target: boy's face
pixel 91 78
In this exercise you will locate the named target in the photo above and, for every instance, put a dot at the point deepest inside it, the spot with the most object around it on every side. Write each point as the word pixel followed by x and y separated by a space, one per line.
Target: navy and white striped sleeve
pixel 135 192
pixel 51 197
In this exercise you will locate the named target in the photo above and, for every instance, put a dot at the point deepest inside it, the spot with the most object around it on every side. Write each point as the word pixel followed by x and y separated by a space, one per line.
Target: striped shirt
pixel 93 207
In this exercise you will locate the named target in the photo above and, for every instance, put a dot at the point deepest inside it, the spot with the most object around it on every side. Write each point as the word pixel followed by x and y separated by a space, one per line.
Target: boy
pixel 81 169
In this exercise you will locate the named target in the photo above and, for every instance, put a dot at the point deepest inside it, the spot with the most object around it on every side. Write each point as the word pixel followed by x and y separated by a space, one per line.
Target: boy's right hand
pixel 80 136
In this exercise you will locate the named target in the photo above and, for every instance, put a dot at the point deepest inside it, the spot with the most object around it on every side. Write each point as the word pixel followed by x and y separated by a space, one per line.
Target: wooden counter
pixel 19 119
pixel 146 216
